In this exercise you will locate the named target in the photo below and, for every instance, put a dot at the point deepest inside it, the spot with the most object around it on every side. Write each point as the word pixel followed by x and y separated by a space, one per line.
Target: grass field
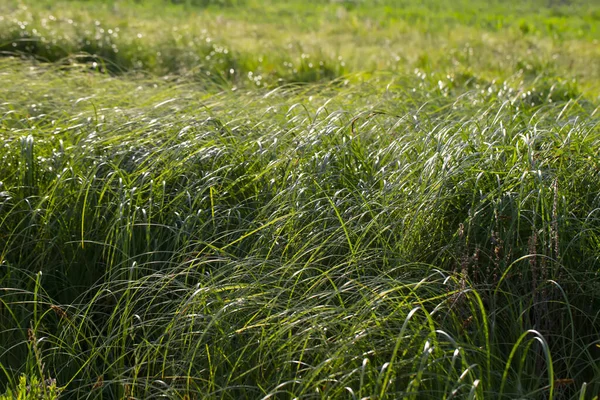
pixel 229 199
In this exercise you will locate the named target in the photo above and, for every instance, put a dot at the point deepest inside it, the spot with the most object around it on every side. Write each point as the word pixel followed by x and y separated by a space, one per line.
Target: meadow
pixel 244 199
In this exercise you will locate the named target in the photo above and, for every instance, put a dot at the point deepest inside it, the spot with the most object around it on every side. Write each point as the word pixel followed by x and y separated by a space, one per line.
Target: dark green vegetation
pixel 417 219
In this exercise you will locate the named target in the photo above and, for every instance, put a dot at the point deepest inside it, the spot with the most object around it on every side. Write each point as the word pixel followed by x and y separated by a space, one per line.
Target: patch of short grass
pixel 257 43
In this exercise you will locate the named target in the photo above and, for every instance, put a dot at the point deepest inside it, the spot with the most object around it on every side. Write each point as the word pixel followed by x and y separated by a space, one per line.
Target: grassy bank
pixel 425 229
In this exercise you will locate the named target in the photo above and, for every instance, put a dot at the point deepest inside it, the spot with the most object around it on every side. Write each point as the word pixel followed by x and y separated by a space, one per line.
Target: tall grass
pixel 344 240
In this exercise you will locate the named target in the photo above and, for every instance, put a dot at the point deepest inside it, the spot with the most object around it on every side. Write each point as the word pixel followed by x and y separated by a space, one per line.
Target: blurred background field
pixel 270 42
pixel 321 199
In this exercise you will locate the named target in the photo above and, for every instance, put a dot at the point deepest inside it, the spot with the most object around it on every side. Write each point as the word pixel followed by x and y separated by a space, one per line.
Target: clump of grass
pixel 32 389
pixel 350 239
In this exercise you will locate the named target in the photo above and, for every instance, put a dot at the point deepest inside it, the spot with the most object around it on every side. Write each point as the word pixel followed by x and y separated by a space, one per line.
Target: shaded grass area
pixel 257 43
pixel 396 237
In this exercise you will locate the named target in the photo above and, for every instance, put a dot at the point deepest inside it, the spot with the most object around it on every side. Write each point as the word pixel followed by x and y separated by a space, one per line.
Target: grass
pixel 274 42
pixel 426 229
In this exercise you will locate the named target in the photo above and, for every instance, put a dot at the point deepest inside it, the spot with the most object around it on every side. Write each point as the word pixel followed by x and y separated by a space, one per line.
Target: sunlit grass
pixel 416 217
pixel 275 43
pixel 326 241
